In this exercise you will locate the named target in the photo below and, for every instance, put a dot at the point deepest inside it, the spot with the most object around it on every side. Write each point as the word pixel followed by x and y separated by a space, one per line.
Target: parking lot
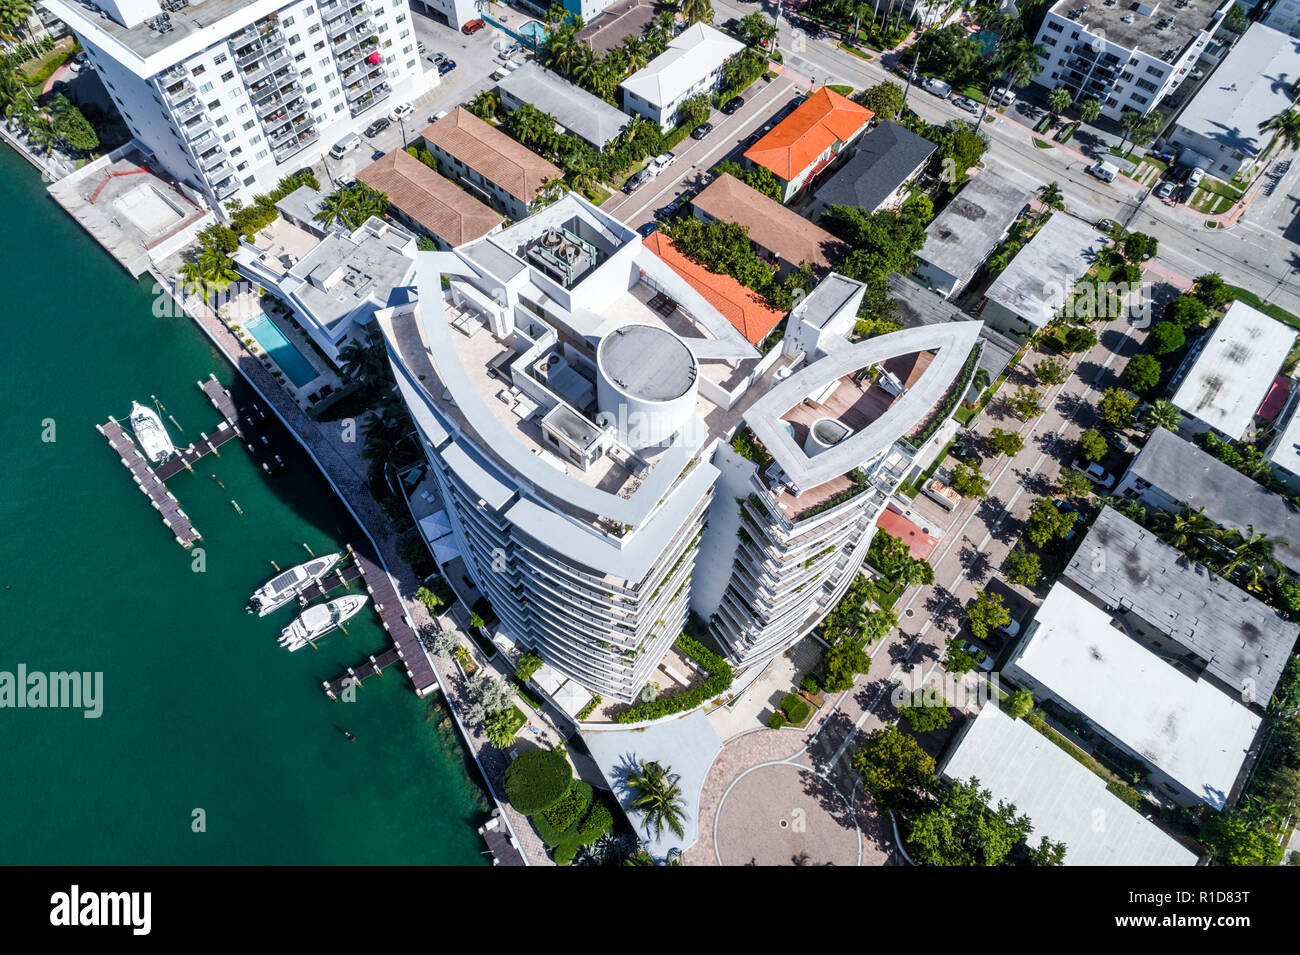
pixel 476 58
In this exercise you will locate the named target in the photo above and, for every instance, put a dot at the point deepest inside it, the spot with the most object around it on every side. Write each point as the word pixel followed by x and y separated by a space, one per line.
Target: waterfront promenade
pixel 343 466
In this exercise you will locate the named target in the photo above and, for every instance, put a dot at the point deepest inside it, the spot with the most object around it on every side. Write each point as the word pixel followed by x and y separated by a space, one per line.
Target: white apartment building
pixel 456 12
pixel 1126 55
pixel 574 393
pixel 690 66
pixel 231 95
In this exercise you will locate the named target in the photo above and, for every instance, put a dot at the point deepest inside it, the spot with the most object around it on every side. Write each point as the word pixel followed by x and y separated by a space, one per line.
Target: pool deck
pixel 245 305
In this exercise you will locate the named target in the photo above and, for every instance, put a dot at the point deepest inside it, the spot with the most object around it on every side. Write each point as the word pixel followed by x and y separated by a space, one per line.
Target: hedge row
pixel 954 398
pixel 719 680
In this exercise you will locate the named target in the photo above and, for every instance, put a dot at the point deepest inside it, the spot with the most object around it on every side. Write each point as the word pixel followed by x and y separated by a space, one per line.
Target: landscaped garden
pixel 565 811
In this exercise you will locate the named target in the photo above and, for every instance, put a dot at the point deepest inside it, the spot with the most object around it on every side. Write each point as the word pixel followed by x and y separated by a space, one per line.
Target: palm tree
pixel 13 15
pixel 335 207
pixel 636 53
pixel 562 50
pixel 1253 552
pixel 209 272
pixel 663 30
pixel 364 362
pixel 1059 100
pixel 1089 110
pixel 1050 195
pixel 485 104
pixel 1285 125
pixel 696 11
pixel 1162 414
pixel 659 798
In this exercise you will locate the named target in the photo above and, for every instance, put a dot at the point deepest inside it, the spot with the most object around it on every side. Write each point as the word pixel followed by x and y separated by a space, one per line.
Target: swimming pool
pixel 295 367
pixel 534 32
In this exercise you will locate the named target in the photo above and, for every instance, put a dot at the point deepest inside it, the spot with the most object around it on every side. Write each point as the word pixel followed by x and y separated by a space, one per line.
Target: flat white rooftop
pixel 1286 451
pixel 1230 377
pixel 1189 730
pixel 1064 799
pixel 1039 279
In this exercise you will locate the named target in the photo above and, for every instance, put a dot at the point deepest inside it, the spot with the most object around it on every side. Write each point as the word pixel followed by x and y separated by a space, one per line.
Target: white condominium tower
pixel 231 95
pixel 575 393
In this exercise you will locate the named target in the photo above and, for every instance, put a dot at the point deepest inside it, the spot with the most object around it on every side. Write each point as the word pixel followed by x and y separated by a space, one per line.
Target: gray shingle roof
pixel 885 158
pixel 1243 641
pixel 573 107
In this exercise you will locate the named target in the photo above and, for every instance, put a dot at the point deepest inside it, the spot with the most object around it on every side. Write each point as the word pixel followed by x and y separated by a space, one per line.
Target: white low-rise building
pixel 1223 383
pixel 231 95
pixel 1066 801
pixel 1038 282
pixel 690 66
pixel 333 283
pixel 1192 737
pixel 1219 130
pixel 965 233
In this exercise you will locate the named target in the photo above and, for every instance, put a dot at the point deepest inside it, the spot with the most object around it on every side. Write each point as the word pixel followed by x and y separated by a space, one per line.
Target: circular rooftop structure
pixel 648 363
pixel 646 383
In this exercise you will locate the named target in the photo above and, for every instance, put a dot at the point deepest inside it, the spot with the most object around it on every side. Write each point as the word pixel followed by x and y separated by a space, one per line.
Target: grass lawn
pixel 1209 202
pixel 517 719
pixel 882 594
pixel 1220 188
pixel 840 88
pixel 597 194
pixel 973 92
pixel 1042 145
pixel 37 71
pixel 860 54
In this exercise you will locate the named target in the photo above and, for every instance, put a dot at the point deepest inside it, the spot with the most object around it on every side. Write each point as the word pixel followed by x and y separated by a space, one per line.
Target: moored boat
pixel 151 433
pixel 283 587
pixel 319 619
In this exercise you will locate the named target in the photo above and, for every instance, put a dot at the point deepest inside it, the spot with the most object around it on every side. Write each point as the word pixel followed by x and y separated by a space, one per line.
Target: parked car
pixel 1106 225
pixel 420 46
pixel 966 456
pixel 1012 628
pixel 730 24
pixel 1094 472
pixel 1002 97
pixel 670 211
pixel 437 116
pixel 702 130
pixel 635 182
pixel 469 29
pixel 1164 190
pixel 377 127
pixel 401 111
pixel 750 140
pixel 346 182
pixel 646 229
pixel 966 103
pixel 436 57
pixel 1118 442
pixel 446 66
pixel 1194 179
pixel 983 659
pixel 730 107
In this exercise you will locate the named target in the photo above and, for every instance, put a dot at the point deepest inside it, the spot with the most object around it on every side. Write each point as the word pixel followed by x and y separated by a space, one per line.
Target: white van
pixel 345 145
pixel 1104 171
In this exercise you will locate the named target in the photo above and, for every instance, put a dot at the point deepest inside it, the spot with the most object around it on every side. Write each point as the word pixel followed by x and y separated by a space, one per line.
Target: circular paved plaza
pixel 785 815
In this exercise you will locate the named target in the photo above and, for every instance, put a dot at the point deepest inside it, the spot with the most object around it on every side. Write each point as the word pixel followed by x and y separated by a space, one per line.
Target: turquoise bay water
pixel 202 710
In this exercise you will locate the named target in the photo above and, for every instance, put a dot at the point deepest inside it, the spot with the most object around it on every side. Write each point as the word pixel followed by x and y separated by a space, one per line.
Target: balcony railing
pixel 263 68
pixel 194 130
pixel 368 82
pixel 194 108
pixel 267 110
pixel 255 31
pixel 179 93
pixel 282 83
pixel 378 96
pixel 293 148
pixel 227 186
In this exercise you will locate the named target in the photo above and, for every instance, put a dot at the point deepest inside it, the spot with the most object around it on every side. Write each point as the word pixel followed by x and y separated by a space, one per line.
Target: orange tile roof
pixel 824 118
pixel 438 204
pixel 920 544
pixel 740 305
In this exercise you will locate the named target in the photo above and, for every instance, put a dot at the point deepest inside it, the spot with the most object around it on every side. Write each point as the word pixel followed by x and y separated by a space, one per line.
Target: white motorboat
pixel 151 433
pixel 319 619
pixel 283 587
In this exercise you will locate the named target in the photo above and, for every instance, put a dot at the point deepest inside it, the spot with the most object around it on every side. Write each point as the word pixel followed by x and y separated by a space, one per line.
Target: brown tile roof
pixel 771 225
pixel 492 154
pixel 740 305
pixel 619 19
pixel 821 120
pixel 436 203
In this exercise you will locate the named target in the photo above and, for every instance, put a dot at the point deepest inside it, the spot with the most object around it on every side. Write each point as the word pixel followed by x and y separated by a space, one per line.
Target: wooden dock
pixel 248 422
pixel 148 481
pixel 406 646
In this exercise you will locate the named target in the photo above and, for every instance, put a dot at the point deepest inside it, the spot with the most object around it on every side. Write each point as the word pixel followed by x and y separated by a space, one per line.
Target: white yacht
pixel 151 433
pixel 319 619
pixel 283 587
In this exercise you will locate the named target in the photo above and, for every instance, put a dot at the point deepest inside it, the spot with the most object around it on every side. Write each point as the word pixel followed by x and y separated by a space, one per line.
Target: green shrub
pixel 528 664
pixel 596 823
pixel 796 708
pixel 776 720
pixel 809 684
pixel 571 807
pixel 590 708
pixel 537 780
pixel 719 680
